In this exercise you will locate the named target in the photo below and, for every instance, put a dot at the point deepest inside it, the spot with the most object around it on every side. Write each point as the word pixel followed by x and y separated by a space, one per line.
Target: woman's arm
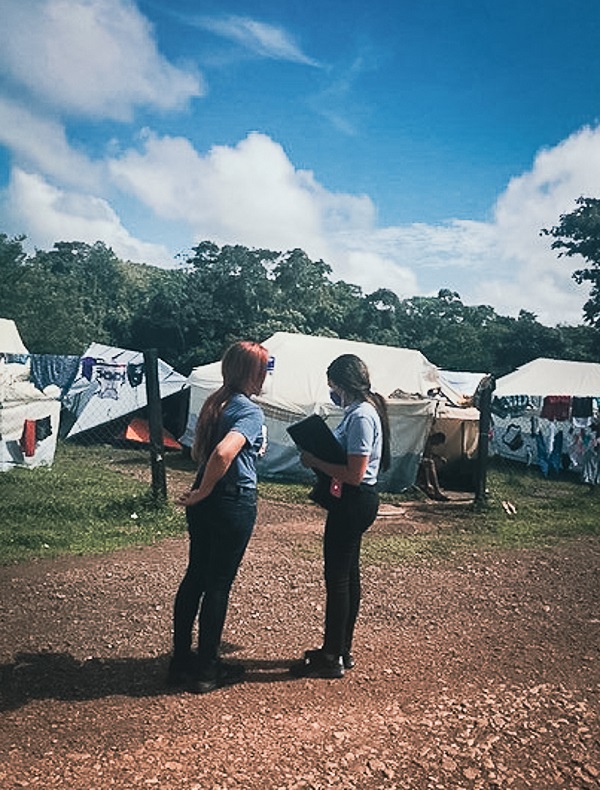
pixel 217 465
pixel 352 472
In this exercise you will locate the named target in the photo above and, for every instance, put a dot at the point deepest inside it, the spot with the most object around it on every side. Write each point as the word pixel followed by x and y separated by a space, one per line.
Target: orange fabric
pixel 138 430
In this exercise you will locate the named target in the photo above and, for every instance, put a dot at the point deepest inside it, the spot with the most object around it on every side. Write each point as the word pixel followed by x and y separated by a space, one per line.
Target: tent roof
pixel 10 339
pixel 93 407
pixel 543 377
pixel 301 361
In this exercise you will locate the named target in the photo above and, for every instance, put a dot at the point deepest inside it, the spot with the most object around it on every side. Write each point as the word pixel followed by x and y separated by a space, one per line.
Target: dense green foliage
pixel 74 294
pixel 578 233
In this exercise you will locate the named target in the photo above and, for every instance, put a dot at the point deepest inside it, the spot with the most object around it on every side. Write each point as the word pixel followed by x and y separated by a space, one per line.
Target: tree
pixel 578 233
pixel 12 266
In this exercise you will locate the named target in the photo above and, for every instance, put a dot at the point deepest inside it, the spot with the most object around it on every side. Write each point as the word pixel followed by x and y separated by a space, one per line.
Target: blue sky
pixel 411 145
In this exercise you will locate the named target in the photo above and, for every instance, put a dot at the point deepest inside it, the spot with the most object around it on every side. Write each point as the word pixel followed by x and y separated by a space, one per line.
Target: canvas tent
pixel 29 418
pixel 296 386
pixel 543 377
pixel 539 407
pixel 10 339
pixel 110 384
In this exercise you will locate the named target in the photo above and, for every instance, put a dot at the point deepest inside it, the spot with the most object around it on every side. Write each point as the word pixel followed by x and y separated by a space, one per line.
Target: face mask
pixel 335 397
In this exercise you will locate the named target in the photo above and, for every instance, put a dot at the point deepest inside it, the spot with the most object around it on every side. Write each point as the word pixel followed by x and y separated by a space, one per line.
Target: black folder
pixel 314 436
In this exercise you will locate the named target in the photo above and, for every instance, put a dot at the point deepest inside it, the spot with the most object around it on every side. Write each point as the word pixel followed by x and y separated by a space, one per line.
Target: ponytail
pixel 380 406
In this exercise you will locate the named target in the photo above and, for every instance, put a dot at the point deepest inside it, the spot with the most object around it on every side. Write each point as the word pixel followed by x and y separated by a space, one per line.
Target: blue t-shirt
pixel 246 417
pixel 360 433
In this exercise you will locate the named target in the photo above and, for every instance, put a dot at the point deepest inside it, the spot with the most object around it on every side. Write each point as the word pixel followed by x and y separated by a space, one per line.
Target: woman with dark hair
pixel 354 501
pixel 220 512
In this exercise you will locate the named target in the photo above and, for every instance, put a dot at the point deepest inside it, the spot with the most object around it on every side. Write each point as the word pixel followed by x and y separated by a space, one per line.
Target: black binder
pixel 314 436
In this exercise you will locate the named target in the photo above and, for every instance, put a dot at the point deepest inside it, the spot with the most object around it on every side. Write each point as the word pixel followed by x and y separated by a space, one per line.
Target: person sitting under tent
pixel 427 476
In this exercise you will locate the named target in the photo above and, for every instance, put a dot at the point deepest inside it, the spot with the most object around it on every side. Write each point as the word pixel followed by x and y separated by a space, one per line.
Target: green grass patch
pixel 85 503
pixel 290 493
pixel 97 498
pixel 548 511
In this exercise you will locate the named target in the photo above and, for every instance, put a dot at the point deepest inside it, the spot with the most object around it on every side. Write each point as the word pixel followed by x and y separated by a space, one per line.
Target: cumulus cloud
pixel 261 38
pixel 41 144
pixel 527 272
pixel 94 58
pixel 248 194
pixel 51 214
pixel 251 194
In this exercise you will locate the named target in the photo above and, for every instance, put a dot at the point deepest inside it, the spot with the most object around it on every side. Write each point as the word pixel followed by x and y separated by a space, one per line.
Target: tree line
pixel 64 298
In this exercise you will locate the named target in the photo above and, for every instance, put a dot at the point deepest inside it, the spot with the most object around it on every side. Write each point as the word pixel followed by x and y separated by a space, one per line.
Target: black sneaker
pixel 317 664
pixel 182 670
pixel 347 658
pixel 222 675
pixel 349 662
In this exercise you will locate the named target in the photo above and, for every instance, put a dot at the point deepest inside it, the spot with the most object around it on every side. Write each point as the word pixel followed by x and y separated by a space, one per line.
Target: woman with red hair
pixel 221 513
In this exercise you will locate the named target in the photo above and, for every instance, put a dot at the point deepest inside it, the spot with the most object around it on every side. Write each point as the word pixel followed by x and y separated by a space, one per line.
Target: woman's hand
pixel 308 460
pixel 189 498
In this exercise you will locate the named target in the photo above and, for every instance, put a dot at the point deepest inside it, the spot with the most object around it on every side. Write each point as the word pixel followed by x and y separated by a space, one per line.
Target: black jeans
pixel 219 529
pixel 347 520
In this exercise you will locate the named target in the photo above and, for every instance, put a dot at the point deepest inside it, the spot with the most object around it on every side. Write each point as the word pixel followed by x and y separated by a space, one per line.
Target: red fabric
pixel 28 438
pixel 556 407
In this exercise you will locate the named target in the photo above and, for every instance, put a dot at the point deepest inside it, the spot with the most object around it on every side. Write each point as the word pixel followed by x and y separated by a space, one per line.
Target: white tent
pixel 524 428
pixel 110 383
pixel 29 418
pixel 296 386
pixel 10 339
pixel 461 381
pixel 544 377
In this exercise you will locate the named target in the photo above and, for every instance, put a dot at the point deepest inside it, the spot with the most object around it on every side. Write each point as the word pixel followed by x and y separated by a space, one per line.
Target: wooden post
pixel 157 448
pixel 485 419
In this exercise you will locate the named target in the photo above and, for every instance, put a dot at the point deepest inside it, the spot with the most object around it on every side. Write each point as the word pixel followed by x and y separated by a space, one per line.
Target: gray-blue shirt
pixel 244 416
pixel 360 433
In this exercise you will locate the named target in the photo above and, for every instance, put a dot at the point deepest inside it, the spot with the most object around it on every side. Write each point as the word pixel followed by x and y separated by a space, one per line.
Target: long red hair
pixel 244 367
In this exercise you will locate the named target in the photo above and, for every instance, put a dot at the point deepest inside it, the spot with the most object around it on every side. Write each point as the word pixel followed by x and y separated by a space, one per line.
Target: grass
pixel 83 504
pixel 547 512
pixel 97 499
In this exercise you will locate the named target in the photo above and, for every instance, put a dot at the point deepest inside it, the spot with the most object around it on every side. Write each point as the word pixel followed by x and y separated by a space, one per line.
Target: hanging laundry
pixel 43 429
pixel 556 407
pixel 135 373
pixel 549 460
pixel 511 405
pixel 55 369
pixel 28 438
pixel 110 378
pixel 582 412
pixel 87 367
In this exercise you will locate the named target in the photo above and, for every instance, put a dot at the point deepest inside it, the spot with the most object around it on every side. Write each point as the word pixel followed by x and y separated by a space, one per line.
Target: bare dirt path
pixel 478 672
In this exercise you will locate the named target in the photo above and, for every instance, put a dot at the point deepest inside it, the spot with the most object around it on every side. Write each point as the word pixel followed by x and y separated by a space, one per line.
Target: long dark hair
pixel 244 367
pixel 349 373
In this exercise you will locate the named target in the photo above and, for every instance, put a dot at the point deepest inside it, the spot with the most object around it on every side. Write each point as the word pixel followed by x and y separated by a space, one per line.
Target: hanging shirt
pixel 556 407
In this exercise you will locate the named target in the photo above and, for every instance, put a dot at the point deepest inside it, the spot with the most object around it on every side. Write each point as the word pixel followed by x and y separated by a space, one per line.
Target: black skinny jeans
pixel 346 523
pixel 219 530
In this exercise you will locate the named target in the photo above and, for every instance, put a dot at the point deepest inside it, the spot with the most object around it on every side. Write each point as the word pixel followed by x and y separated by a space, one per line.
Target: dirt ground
pixel 481 671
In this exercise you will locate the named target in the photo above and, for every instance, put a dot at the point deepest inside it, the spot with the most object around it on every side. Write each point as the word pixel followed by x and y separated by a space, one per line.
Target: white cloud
pixel 529 273
pixel 249 194
pixel 93 58
pixel 261 38
pixel 39 143
pixel 252 194
pixel 50 214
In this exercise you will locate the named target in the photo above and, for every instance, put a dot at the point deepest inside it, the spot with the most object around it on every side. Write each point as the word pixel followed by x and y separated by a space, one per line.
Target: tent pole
pixel 486 389
pixel 157 449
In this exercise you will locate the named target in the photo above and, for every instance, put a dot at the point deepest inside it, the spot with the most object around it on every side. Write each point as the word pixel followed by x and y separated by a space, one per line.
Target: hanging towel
pixel 28 438
pixel 556 407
